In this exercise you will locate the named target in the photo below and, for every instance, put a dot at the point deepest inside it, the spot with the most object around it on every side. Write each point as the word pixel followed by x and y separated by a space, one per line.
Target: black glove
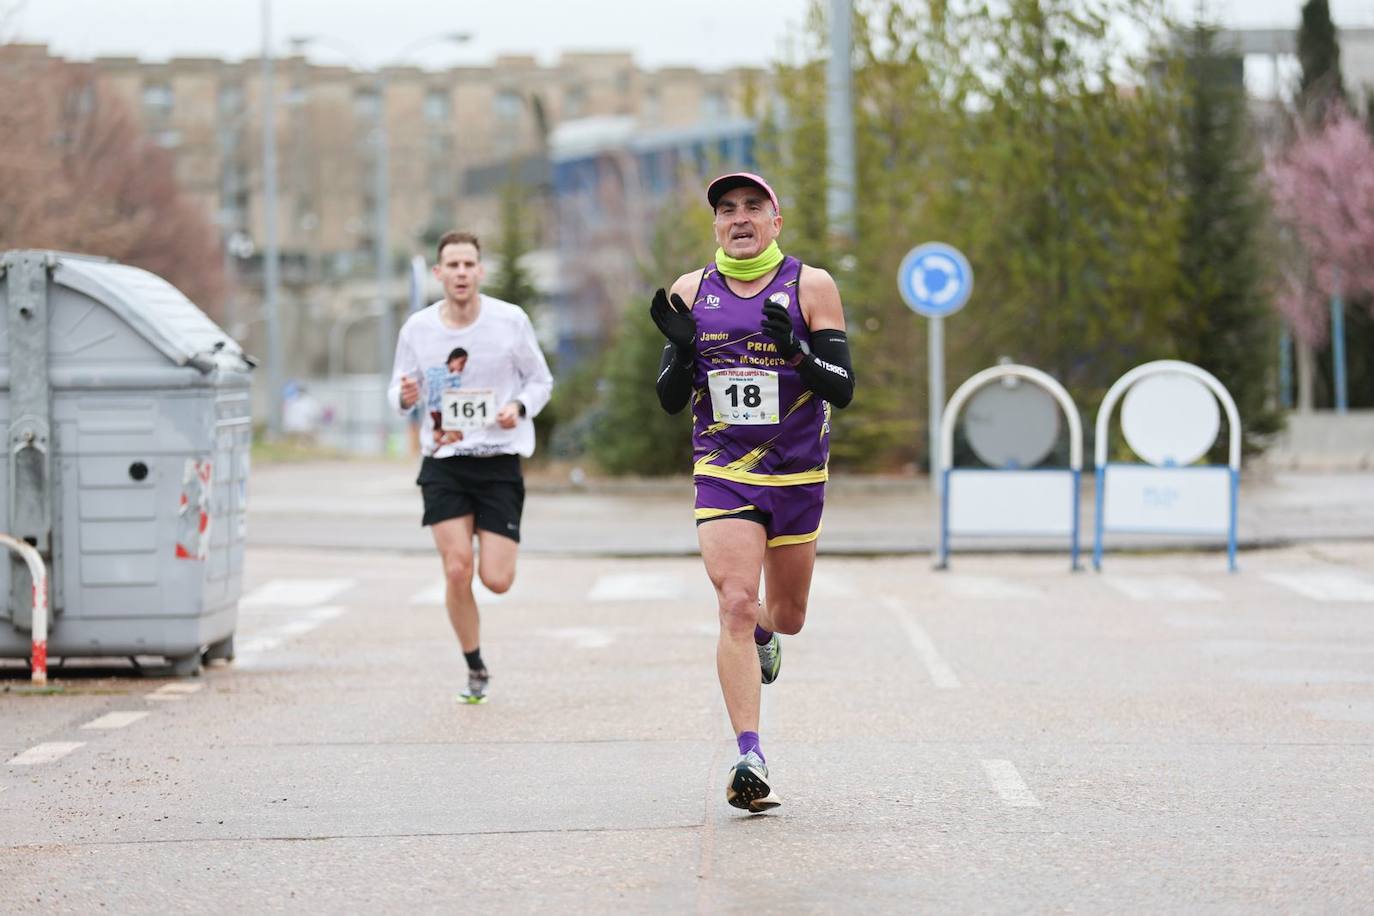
pixel 675 321
pixel 778 326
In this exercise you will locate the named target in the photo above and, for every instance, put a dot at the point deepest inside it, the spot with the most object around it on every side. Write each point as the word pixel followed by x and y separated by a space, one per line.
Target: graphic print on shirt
pixel 753 419
pixel 452 408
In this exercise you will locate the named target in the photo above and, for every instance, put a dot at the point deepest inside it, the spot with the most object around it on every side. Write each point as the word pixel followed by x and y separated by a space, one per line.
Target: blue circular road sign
pixel 935 279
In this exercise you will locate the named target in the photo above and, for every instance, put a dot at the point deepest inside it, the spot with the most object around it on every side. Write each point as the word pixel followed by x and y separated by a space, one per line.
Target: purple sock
pixel 761 636
pixel 749 741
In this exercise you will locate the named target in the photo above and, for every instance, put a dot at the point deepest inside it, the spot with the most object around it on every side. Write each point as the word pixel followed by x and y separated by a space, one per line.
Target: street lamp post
pixel 270 264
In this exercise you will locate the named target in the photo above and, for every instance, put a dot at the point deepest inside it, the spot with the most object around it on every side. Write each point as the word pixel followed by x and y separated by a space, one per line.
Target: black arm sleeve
pixel 826 370
pixel 674 383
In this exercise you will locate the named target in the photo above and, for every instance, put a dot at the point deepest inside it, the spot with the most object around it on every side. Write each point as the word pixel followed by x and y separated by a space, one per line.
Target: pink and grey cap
pixel 718 188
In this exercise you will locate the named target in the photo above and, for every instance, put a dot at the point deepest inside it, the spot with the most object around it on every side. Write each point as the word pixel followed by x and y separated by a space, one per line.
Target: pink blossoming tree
pixel 1323 191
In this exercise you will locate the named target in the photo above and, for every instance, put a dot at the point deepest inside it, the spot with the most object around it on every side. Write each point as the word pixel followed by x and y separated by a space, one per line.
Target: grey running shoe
pixel 477 687
pixel 748 786
pixel 770 659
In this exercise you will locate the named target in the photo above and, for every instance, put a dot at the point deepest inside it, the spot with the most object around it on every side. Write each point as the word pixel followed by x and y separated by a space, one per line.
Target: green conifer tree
pixel 1227 325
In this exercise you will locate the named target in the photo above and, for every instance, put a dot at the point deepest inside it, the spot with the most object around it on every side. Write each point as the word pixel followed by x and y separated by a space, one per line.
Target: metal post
pixel 936 358
pixel 1338 348
pixel 271 280
pixel 840 121
pixel 386 326
pixel 38 575
pixel 31 492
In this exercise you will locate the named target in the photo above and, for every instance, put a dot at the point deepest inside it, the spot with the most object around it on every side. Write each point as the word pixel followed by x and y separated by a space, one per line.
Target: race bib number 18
pixel 744 397
pixel 467 409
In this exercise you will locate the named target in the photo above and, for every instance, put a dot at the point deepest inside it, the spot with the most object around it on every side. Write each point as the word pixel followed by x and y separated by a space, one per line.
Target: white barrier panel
pixel 1008 501
pixel 983 502
pixel 1144 499
pixel 1170 419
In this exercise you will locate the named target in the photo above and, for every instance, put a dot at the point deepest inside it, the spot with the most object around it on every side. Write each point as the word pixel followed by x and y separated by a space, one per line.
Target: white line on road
pixel 256 645
pixel 286 593
pixel 434 595
pixel 272 638
pixel 116 719
pixel 44 753
pixel 1161 588
pixel 173 691
pixel 941 674
pixel 1325 586
pixel 1009 784
pixel 635 587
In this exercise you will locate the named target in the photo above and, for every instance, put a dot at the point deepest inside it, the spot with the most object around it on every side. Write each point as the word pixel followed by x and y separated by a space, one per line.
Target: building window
pixel 168 139
pixel 437 107
pixel 230 99
pixel 367 104
pixel 574 102
pixel 507 105
pixel 713 105
pixel 651 107
pixel 158 99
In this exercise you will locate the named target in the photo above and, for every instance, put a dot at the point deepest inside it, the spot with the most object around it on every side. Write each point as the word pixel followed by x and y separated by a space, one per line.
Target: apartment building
pixel 448 141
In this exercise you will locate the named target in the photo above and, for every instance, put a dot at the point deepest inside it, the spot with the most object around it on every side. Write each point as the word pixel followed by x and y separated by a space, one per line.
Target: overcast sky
pixel 701 33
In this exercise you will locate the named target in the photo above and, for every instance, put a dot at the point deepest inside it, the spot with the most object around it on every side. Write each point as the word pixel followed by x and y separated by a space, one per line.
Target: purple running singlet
pixel 756 427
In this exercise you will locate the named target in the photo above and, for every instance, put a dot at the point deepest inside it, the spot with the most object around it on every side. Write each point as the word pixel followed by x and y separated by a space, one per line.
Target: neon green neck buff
pixel 749 268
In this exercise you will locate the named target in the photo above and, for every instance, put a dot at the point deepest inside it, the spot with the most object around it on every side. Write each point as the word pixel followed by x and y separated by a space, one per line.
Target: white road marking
pixel 174 691
pixel 1320 585
pixel 434 595
pixel 635 587
pixel 284 593
pixel 256 645
pixel 116 719
pixel 273 638
pixel 1161 588
pixel 45 753
pixel 1009 784
pixel 941 674
pixel 963 586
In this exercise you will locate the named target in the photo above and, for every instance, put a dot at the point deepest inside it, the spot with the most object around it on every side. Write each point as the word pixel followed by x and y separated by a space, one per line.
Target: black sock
pixel 475 660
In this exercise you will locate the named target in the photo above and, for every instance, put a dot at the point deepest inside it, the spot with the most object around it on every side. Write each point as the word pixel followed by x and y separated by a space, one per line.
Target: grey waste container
pixel 128 432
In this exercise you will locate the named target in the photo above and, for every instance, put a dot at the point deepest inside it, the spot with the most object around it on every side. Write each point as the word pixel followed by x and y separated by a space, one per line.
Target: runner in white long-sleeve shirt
pixel 475 367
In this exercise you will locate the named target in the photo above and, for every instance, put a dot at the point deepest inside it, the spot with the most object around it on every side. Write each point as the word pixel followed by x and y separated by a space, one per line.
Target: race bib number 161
pixel 468 409
pixel 744 397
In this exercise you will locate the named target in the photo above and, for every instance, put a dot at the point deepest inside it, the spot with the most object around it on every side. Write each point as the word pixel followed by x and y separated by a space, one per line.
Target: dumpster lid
pixel 154 308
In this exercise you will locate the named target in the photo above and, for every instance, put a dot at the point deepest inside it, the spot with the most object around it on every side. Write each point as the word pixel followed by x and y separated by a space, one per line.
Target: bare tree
pixel 77 173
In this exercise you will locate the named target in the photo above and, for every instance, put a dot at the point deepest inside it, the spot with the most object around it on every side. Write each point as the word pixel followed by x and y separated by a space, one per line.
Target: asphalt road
pixel 1005 736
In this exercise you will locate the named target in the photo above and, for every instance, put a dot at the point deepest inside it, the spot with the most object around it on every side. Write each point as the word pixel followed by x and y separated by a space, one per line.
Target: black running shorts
pixel 492 489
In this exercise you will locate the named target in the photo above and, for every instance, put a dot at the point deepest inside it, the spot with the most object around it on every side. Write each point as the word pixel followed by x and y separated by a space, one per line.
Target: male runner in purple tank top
pixel 756 343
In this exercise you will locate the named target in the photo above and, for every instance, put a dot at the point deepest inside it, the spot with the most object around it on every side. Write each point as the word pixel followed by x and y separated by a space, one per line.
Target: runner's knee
pixel 788 617
pixel 739 609
pixel 497 583
pixel 458 568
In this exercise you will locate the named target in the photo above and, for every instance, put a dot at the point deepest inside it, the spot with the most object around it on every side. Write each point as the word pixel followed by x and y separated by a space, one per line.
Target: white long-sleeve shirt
pixel 502 355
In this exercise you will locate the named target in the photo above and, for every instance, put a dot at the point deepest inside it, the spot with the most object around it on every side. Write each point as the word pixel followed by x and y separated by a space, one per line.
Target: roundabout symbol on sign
pixel 935 279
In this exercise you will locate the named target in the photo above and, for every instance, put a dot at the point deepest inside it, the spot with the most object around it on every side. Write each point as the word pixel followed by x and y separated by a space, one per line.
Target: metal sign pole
pixel 935 357
pixel 935 280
